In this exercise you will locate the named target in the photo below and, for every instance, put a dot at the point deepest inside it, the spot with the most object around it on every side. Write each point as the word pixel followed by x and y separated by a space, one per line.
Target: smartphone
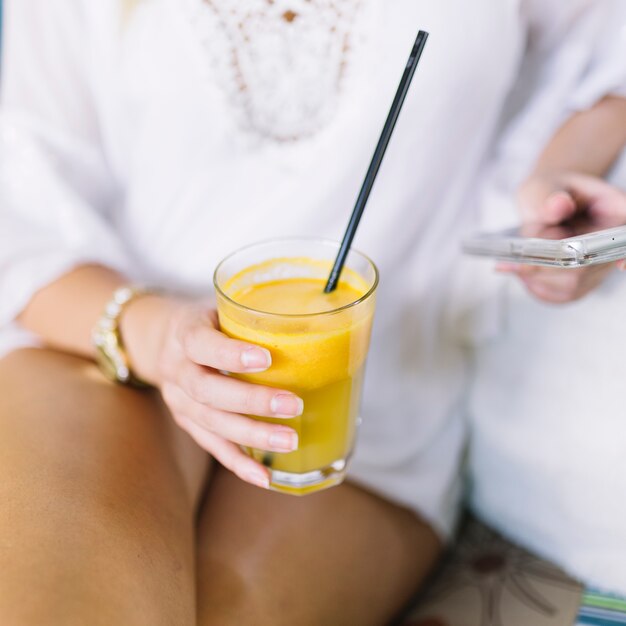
pixel 576 243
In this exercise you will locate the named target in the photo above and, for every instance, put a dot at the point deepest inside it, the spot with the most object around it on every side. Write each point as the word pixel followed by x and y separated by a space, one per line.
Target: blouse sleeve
pixel 55 187
pixel 575 55
pixel 583 39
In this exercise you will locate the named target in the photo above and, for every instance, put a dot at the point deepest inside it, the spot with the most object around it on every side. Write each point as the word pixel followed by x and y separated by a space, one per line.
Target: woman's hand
pixel 548 200
pixel 186 363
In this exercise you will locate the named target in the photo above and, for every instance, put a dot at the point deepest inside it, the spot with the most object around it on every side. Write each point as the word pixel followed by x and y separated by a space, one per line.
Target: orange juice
pixel 319 344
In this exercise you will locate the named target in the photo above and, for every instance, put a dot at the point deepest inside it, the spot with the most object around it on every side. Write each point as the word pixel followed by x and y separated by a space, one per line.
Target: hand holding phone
pixel 581 224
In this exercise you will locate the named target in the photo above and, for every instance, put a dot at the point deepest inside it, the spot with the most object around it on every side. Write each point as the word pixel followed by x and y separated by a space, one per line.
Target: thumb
pixel 545 201
pixel 557 208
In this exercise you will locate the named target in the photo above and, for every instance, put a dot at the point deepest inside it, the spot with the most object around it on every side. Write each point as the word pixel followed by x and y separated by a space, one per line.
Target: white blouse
pixel 159 139
pixel 547 403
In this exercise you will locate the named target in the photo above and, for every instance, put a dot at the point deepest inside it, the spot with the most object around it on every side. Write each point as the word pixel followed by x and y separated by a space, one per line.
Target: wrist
pixel 144 325
pixel 547 178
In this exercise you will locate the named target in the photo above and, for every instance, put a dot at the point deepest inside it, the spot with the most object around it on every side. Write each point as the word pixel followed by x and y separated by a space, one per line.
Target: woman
pixel 142 141
pixel 547 400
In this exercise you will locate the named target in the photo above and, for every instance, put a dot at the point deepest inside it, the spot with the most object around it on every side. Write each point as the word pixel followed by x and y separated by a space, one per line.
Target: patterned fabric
pixel 282 64
pixel 488 581
pixel 600 609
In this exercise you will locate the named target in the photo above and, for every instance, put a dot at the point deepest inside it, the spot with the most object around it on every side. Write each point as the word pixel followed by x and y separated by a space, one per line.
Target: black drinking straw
pixel 377 159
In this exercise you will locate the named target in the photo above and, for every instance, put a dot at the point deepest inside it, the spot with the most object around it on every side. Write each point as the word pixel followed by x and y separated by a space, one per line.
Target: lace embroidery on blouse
pixel 282 64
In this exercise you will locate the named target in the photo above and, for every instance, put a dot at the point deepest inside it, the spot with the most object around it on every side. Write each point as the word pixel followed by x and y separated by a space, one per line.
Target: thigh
pixel 96 499
pixel 341 557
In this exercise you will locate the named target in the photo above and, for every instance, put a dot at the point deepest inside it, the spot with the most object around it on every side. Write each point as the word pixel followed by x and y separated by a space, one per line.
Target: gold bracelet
pixel 106 336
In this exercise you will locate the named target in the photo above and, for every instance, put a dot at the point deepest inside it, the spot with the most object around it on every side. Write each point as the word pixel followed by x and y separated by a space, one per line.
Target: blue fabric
pixel 601 609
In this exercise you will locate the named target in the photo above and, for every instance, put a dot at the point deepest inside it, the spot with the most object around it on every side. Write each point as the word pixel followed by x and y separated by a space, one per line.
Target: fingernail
pixel 283 442
pixel 256 359
pixel 286 405
pixel 258 478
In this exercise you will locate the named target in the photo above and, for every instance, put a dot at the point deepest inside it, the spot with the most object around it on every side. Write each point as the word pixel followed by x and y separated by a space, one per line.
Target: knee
pixel 226 596
pixel 229 597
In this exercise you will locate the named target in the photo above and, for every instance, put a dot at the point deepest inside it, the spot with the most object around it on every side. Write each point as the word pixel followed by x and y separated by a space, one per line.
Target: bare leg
pixel 340 557
pixel 97 498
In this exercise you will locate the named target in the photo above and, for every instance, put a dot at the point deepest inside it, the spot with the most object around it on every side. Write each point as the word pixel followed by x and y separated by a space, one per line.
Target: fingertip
pixel 283 440
pixel 257 477
pixel 506 268
pixel 560 206
pixel 256 359
pixel 286 405
pixel 562 196
pixel 528 271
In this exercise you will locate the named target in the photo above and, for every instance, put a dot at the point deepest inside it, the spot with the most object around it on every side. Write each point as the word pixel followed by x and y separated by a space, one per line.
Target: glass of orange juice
pixel 272 294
